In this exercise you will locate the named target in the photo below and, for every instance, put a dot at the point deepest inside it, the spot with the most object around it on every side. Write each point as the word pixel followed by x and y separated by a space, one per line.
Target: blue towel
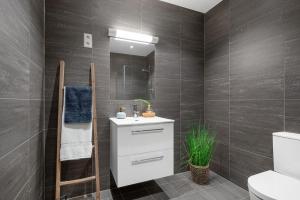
pixel 78 104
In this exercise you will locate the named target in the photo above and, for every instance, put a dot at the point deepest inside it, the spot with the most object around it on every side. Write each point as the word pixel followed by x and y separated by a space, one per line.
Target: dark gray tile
pixel 15 72
pixel 264 58
pixel 247 164
pixel 216 89
pixel 24 193
pixel 36 153
pixel 217 68
pixel 117 14
pixel 216 111
pixel 36 184
pixel 252 138
pixel 160 18
pixel 220 160
pixel 191 92
pixel 257 87
pixel 14 171
pixel 219 129
pixel 264 114
pixel 14 124
pixel 167 89
pixel 292 119
pixel 36 116
pixel 193 31
pixel 192 65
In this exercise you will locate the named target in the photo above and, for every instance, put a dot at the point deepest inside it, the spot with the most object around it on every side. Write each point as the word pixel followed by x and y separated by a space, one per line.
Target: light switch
pixel 87 40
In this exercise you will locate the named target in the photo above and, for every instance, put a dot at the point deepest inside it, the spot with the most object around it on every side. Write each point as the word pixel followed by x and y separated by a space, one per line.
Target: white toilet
pixel 284 182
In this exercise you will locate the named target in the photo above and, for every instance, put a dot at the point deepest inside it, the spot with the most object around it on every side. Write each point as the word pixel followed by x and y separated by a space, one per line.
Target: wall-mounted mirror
pixel 131 69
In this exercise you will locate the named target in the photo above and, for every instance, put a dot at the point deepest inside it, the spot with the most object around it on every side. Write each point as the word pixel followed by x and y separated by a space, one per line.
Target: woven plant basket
pixel 200 175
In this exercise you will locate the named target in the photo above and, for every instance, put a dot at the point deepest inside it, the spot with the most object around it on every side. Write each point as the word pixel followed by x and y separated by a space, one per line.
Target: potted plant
pixel 200 147
pixel 149 112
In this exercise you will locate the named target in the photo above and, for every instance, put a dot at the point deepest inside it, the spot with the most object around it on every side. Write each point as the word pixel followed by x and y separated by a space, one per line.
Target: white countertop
pixel 139 121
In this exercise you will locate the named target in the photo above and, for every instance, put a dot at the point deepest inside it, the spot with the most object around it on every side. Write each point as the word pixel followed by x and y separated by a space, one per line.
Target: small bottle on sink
pixel 121 114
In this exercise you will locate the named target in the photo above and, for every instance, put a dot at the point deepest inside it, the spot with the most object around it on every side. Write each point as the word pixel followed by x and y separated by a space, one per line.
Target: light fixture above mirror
pixel 132 36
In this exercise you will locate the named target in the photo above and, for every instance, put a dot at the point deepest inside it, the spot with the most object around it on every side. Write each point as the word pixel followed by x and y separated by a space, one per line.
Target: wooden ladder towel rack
pixel 60 183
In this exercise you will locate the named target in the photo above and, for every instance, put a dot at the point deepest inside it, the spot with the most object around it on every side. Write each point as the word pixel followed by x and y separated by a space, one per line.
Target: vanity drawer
pixel 144 138
pixel 143 167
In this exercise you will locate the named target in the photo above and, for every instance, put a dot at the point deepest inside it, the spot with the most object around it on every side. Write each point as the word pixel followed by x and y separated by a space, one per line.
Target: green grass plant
pixel 200 145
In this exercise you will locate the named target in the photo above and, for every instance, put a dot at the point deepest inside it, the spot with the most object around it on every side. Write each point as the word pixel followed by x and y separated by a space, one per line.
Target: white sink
pixel 139 121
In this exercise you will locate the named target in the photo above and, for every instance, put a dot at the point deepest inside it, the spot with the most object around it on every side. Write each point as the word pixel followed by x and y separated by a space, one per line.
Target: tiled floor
pixel 177 187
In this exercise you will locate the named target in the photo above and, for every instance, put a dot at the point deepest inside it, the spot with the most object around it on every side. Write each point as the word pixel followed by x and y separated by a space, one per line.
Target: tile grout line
pixel 180 98
pixel 229 94
pixel 19 145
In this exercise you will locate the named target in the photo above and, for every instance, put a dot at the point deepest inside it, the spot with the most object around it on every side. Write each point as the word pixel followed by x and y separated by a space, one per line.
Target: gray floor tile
pixel 177 187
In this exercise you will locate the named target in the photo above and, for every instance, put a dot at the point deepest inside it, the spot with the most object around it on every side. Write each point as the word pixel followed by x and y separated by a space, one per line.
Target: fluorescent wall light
pixel 132 36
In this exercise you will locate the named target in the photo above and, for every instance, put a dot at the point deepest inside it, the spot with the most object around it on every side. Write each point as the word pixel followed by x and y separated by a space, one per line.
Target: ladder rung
pixel 77 181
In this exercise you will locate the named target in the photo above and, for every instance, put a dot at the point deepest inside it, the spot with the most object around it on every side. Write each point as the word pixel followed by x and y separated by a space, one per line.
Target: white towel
pixel 76 139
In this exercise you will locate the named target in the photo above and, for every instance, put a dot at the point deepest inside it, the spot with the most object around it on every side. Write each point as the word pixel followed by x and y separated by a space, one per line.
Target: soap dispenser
pixel 121 114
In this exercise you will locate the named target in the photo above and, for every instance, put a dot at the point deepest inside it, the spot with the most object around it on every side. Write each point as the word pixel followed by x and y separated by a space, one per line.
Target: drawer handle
pixel 157 130
pixel 138 162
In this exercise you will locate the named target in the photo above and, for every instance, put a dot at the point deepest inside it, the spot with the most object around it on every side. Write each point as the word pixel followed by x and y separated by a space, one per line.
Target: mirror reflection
pixel 131 69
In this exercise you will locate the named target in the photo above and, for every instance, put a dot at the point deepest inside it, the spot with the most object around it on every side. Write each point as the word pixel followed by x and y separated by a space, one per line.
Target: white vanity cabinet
pixel 141 150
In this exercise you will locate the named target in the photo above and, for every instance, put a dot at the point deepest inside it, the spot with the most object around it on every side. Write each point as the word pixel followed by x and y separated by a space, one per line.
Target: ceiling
pixel 198 5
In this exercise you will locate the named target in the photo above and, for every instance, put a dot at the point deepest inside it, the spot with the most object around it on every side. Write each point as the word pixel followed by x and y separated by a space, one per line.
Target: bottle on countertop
pixel 121 114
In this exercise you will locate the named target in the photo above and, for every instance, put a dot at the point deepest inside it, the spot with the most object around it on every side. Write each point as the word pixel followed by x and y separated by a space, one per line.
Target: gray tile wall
pixel 178 76
pixel 21 99
pixel 251 84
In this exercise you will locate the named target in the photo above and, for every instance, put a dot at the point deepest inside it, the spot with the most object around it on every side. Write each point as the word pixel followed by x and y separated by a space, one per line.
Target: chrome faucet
pixel 135 112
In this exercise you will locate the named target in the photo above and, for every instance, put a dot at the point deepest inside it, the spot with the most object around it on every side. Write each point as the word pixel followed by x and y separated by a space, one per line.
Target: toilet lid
pixel 271 185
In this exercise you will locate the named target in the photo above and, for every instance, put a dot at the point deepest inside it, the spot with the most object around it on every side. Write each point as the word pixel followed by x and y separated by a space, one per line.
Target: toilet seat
pixel 271 185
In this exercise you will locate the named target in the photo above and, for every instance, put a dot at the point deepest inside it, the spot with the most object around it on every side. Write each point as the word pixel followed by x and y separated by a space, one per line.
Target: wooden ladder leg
pixel 59 124
pixel 96 152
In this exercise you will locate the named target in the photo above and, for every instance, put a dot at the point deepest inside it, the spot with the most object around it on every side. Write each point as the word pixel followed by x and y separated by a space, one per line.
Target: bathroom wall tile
pixel 217 48
pixel 191 111
pixel 292 72
pixel 264 114
pixel 24 193
pixel 290 20
pixel 292 120
pixel 36 185
pixel 217 68
pixel 14 27
pixel 14 124
pixel 248 163
pixel 216 89
pixel 36 116
pixel 193 31
pixel 14 171
pixel 160 18
pixel 251 10
pixel 15 70
pixel 192 65
pixel 191 92
pixel 167 89
pixel 219 129
pixel 76 22
pixel 167 58
pixel 220 161
pixel 256 87
pixel 216 110
pixel 187 15
pixel 261 57
pixel 36 153
pixel 252 139
pixel 217 24
pixel 117 14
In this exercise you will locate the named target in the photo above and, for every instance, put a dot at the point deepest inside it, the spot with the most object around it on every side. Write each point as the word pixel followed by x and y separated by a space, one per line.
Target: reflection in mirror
pixel 131 69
